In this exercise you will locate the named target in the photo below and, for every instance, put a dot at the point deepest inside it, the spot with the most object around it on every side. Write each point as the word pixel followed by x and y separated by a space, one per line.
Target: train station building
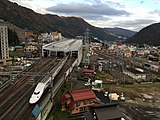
pixel 71 47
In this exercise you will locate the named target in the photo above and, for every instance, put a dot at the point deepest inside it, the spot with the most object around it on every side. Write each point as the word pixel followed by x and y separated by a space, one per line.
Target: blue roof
pixel 36 111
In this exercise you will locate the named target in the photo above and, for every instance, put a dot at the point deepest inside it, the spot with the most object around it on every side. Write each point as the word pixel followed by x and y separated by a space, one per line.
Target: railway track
pixel 7 94
pixel 27 108
pixel 64 69
pixel 16 107
pixel 12 97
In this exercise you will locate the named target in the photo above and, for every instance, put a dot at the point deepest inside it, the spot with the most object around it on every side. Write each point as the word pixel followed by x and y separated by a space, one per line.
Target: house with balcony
pixel 78 100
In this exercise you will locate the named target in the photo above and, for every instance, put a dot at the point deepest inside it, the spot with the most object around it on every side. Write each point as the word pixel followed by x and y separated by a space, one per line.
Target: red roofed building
pixel 77 100
pixel 88 73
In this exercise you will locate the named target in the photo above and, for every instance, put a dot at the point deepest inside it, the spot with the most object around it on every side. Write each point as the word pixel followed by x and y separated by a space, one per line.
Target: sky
pixel 129 14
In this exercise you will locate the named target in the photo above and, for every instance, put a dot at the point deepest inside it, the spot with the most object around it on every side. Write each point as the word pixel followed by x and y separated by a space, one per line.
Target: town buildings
pixel 49 37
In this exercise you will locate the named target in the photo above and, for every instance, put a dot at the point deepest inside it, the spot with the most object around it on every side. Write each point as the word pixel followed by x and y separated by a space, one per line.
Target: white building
pixel 4 56
pixel 4 42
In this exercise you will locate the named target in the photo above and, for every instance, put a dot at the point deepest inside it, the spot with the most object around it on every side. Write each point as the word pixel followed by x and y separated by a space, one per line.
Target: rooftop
pixel 134 71
pixel 65 45
pixel 107 112
pixel 87 70
pixel 83 94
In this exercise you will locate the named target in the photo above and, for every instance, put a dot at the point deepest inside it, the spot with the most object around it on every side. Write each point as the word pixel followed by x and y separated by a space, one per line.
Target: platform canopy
pixel 64 46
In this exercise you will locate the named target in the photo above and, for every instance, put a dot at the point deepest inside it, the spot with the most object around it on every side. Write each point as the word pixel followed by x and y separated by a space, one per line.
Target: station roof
pixel 65 45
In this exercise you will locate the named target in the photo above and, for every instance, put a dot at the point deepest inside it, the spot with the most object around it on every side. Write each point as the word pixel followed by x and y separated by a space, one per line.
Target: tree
pixel 13 39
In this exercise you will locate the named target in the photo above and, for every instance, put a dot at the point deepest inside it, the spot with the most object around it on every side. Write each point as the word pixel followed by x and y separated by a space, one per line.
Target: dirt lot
pixel 142 101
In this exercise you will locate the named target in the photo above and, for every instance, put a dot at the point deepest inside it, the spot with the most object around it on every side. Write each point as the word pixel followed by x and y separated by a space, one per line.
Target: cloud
pixel 88 11
pixel 117 3
pixel 155 12
pixel 157 1
pixel 141 2
pixel 135 24
pixel 94 17
pixel 38 6
pixel 21 1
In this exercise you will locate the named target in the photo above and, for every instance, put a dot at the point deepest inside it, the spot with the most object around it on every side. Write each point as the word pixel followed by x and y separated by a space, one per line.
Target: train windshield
pixel 36 92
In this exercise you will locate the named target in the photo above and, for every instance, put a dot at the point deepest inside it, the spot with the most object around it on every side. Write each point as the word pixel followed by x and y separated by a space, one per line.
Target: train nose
pixel 33 99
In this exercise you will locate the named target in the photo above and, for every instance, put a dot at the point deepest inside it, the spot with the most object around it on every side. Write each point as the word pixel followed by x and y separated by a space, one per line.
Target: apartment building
pixel 4 50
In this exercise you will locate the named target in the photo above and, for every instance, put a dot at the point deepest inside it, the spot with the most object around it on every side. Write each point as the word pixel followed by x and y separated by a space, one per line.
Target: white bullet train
pixel 41 86
pixel 38 92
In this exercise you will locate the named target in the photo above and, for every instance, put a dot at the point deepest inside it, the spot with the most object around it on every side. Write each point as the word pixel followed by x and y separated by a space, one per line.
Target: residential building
pixel 56 36
pixel 31 48
pixel 28 34
pixel 103 112
pixel 4 57
pixel 78 100
pixel 128 53
pixel 117 45
pixel 45 37
pixel 96 46
pixel 19 48
pixel 88 73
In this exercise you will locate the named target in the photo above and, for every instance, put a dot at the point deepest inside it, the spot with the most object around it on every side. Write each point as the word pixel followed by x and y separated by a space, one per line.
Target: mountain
pixel 121 31
pixel 19 31
pixel 149 35
pixel 70 27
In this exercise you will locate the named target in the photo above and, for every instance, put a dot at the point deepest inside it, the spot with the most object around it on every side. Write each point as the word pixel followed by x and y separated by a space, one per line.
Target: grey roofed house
pixel 104 112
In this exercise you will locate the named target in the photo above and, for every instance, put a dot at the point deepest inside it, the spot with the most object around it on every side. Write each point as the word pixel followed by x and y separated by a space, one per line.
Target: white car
pixel 106 94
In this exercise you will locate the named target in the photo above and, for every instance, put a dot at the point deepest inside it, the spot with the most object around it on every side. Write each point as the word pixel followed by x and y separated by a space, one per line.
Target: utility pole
pixel 124 78
pixel 86 44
